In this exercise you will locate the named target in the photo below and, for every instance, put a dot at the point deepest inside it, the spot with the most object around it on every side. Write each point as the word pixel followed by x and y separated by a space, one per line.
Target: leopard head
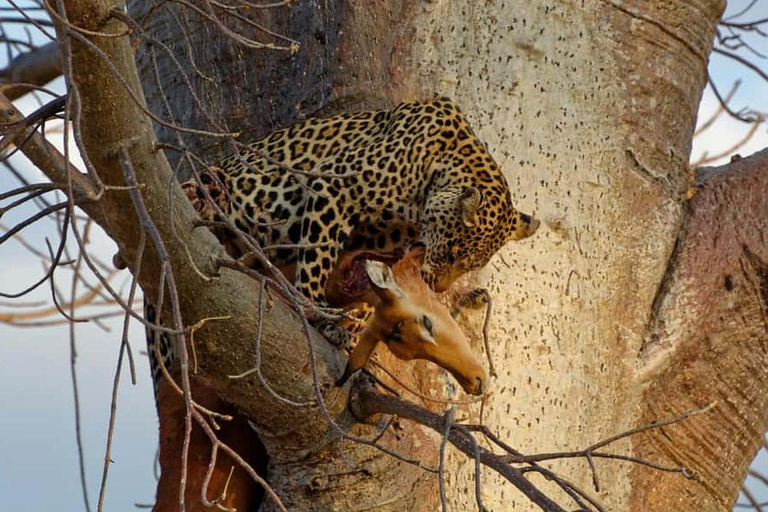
pixel 463 227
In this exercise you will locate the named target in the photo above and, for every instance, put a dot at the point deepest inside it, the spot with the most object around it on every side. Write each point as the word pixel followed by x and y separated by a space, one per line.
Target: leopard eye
pixel 427 324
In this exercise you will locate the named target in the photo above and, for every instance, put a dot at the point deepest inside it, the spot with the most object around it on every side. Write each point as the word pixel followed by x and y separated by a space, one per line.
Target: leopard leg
pixel 344 332
pixel 355 322
pixel 333 332
pixel 322 233
pixel 311 278
pixel 356 318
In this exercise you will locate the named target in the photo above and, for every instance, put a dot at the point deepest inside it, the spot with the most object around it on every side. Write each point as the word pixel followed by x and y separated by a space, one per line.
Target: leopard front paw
pixel 333 332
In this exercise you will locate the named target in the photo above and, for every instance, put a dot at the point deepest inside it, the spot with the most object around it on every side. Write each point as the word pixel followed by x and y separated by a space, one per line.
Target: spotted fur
pixel 374 181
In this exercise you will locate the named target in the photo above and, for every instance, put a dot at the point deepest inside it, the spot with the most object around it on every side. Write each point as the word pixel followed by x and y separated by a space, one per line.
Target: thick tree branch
pixel 111 123
pixel 366 402
pixel 708 342
pixel 22 131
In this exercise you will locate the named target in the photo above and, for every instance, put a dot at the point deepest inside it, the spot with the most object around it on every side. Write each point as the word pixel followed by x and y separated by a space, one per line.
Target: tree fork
pixel 708 340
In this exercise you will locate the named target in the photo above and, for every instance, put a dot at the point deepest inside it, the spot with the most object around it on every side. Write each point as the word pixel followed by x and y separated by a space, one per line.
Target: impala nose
pixel 479 386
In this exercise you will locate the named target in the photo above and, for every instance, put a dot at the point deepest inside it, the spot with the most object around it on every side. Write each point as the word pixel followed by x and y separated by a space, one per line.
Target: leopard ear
pixel 383 281
pixel 525 226
pixel 469 202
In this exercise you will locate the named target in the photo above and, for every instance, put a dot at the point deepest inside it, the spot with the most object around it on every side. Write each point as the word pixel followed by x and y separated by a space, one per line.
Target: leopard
pixel 369 184
pixel 374 182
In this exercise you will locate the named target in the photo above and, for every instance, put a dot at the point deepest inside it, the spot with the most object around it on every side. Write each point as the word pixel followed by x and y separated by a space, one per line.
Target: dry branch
pixel 46 157
pixel 30 70
pixel 85 299
pixel 366 402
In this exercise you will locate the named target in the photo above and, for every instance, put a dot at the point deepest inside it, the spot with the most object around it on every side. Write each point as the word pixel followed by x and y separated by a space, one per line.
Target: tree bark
pixel 707 343
pixel 302 446
pixel 630 305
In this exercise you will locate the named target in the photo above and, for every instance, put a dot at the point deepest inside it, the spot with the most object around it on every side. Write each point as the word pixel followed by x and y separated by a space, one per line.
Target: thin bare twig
pixel 424 396
pixel 707 159
pixel 73 374
pixel 169 379
pixel 116 380
pixel 146 223
pixel 753 502
pixel 237 458
pixel 441 477
pixel 746 117
pixel 133 95
pixel 365 402
pixel 720 109
pixel 257 350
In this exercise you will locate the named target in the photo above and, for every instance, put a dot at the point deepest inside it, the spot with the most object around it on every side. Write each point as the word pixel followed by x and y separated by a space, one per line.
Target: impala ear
pixel 469 202
pixel 382 281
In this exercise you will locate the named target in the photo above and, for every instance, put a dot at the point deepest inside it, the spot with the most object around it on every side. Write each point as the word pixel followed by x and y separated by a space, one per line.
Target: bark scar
pixel 758 277
pixel 654 323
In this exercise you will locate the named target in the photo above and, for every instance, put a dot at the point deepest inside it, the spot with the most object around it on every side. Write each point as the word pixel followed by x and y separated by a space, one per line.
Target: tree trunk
pixel 629 305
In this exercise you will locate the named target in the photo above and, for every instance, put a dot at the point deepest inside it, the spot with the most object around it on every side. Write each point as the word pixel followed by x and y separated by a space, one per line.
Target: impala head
pixel 415 325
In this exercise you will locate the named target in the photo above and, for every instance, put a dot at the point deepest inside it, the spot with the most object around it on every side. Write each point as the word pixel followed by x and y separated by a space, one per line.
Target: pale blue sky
pixel 38 457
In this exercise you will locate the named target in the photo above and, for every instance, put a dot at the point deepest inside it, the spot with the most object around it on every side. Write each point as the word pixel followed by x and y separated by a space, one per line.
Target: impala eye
pixel 427 324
